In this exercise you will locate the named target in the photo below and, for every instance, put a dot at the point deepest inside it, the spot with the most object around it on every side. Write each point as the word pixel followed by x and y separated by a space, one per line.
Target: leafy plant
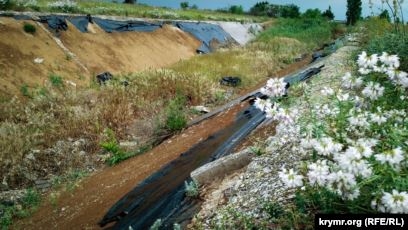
pixel 191 188
pixel 56 80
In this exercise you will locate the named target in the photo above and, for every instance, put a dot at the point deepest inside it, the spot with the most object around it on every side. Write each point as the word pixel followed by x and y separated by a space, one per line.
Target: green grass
pixel 312 32
pixel 137 10
pixel 28 204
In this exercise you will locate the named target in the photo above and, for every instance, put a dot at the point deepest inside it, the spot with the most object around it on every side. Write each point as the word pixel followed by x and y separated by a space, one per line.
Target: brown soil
pixel 87 204
pixel 18 51
pixel 124 52
pixel 98 51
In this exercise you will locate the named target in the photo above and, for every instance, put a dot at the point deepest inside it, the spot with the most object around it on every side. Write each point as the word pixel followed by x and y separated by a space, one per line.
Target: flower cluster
pixel 387 64
pixel 359 138
pixel 65 5
pixel 28 3
pixel 394 202
pixel 275 87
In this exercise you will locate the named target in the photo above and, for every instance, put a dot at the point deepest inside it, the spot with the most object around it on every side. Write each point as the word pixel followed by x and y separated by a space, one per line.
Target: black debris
pixel 55 22
pixel 230 81
pixel 102 78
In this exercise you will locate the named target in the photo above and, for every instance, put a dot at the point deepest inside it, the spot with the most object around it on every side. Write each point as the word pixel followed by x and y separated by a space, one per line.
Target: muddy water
pixel 162 196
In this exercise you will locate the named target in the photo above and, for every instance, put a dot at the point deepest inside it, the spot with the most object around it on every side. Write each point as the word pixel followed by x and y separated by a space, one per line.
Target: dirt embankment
pixel 124 52
pixel 97 51
pixel 18 50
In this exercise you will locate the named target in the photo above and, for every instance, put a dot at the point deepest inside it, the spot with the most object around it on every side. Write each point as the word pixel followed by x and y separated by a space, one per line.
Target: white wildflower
pixel 326 146
pixel 390 60
pixel 290 178
pixel 378 118
pixel 395 202
pixel 373 91
pixel 351 161
pixel 341 182
pixel 392 157
pixel 350 82
pixel 327 91
pixel 275 87
pixel 262 104
pixel 318 173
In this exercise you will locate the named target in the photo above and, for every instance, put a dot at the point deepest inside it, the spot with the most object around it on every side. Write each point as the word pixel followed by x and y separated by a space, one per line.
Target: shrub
pixel 176 119
pixel 29 28
pixel 5 4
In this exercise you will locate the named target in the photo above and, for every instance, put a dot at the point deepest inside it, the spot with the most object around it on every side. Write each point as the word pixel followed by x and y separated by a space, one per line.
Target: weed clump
pixel 176 119
pixel 29 28
pixel 56 80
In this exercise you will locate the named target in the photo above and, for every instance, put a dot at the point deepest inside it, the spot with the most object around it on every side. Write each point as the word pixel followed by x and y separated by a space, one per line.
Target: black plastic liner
pixel 55 22
pixel 59 22
pixel 206 33
pixel 303 76
pixel 22 17
pixel 163 192
pixel 124 26
pixel 210 35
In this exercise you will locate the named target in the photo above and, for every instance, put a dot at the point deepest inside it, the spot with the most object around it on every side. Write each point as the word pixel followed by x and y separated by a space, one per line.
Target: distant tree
pixel 312 13
pixel 184 5
pixel 328 14
pixel 385 15
pixel 274 11
pixel 130 1
pixel 235 9
pixel 194 7
pixel 290 11
pixel 260 9
pixel 353 13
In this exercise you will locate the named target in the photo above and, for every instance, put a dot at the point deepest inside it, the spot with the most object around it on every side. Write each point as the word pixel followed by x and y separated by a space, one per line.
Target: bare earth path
pixel 86 205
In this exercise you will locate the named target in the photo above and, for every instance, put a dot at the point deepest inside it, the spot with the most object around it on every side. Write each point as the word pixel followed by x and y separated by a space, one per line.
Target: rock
pixel 42 184
pixel 201 109
pixel 129 145
pixel 220 167
pixel 30 156
pixel 12 197
pixel 38 60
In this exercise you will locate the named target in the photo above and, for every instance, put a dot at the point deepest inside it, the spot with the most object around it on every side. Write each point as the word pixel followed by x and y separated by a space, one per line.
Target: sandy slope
pixel 98 51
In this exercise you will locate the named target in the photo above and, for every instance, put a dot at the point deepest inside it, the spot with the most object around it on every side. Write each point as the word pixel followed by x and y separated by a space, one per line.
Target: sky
pixel 338 6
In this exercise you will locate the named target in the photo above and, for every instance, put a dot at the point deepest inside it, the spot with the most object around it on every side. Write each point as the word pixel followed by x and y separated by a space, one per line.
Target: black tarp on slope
pixel 206 33
pixel 59 22
pixel 123 26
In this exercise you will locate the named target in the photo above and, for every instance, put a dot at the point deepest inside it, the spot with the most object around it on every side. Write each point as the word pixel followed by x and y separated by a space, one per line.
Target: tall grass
pixel 313 32
pixel 380 36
